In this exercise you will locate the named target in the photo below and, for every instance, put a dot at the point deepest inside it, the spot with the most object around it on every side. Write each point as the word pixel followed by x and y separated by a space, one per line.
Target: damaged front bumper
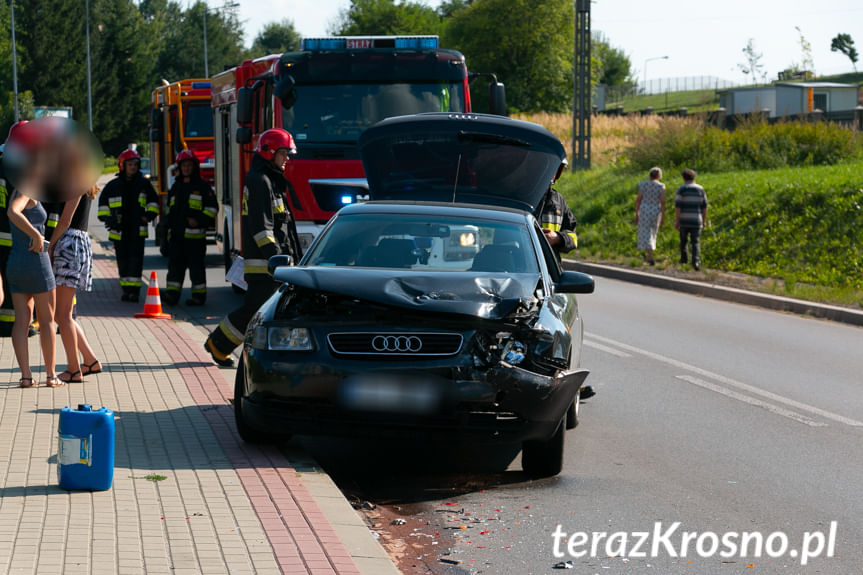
pixel 429 399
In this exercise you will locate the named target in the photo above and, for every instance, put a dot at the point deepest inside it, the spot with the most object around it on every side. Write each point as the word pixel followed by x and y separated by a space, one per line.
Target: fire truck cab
pixel 326 94
pixel 181 119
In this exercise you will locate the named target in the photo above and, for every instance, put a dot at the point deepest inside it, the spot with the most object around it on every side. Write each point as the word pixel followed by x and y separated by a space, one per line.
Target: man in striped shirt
pixel 690 216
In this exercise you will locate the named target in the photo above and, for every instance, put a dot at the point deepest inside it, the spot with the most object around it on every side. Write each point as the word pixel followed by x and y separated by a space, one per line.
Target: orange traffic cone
pixel 153 303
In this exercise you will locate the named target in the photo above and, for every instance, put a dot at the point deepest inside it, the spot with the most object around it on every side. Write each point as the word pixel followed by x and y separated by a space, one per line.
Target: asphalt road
pixel 722 417
pixel 725 418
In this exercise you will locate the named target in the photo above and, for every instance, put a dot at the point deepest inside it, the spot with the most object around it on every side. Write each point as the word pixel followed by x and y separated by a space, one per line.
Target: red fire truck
pixel 181 119
pixel 326 94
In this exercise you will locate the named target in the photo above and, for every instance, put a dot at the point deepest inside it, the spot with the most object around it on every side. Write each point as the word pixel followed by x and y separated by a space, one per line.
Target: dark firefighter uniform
pixel 127 206
pixel 557 217
pixel 268 230
pixel 187 245
pixel 7 312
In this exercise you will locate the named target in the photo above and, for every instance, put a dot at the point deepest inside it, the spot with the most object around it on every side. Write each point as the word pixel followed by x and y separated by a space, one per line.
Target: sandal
pixel 54 381
pixel 89 368
pixel 71 376
pixel 29 382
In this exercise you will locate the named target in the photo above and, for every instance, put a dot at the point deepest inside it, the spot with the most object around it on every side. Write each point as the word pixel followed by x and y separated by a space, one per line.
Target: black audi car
pixel 436 308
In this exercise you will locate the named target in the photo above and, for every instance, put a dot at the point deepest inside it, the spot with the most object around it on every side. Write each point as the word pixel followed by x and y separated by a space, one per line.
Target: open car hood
pixel 465 293
pixel 466 158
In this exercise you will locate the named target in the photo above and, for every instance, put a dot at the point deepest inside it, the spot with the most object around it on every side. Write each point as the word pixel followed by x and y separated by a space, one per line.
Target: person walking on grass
pixel 649 212
pixel 690 217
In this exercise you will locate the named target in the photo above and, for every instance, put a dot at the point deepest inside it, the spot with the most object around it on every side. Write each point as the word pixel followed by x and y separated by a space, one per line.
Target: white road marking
pixel 734 383
pixel 605 348
pixel 752 401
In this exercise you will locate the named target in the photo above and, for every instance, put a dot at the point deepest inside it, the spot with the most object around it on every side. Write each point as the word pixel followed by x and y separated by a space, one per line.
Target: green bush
pixel 754 145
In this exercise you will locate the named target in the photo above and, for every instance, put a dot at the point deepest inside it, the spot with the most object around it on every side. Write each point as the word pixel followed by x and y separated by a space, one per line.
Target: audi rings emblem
pixel 397 343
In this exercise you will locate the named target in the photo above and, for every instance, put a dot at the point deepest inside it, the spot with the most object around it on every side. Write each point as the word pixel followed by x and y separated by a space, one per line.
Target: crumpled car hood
pixel 466 293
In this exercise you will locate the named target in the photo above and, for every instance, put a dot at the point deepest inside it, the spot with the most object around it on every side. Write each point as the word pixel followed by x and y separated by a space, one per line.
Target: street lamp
pixel 207 9
pixel 645 69
pixel 14 62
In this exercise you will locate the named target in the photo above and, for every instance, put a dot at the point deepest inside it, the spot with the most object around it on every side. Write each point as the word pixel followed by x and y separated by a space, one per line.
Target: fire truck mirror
pixel 244 105
pixel 285 91
pixel 244 135
pixel 156 119
pixel 497 98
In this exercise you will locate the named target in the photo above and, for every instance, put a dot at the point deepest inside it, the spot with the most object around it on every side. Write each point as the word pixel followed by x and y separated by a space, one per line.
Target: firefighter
pixel 7 313
pixel 268 230
pixel 127 205
pixel 192 208
pixel 558 225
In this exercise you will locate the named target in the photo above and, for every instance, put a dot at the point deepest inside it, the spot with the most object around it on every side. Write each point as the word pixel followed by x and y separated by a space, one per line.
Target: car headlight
pixel 277 338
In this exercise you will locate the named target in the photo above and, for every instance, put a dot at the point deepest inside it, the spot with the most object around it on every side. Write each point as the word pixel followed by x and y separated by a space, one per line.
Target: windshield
pixel 424 244
pixel 331 114
pixel 199 121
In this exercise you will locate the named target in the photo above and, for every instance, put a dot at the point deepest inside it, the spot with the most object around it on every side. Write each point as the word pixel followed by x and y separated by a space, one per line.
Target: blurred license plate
pixel 388 393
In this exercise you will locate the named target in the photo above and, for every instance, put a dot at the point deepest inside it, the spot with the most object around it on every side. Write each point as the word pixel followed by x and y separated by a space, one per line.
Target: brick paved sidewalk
pixel 188 495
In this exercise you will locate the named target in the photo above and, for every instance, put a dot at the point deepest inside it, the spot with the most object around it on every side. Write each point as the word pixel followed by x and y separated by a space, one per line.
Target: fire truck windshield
pixel 340 113
pixel 199 120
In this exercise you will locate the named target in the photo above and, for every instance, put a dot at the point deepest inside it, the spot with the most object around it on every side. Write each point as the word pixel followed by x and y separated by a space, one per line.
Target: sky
pixel 699 38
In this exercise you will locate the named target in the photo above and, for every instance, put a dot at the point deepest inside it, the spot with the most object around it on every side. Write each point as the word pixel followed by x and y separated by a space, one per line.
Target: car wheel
pixel 248 433
pixel 572 412
pixel 544 458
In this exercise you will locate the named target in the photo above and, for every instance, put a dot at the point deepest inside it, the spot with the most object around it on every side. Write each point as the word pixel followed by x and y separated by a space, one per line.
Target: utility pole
pixel 89 84
pixel 581 90
pixel 14 63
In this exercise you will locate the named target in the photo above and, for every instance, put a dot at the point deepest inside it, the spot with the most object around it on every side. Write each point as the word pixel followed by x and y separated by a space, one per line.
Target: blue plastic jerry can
pixel 85 456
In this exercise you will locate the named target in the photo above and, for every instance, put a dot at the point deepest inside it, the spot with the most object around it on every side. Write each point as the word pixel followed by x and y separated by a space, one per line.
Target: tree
pixel 807 63
pixel 385 17
pixel 529 46
pixel 845 44
pixel 275 38
pixel 752 67
pixel 612 64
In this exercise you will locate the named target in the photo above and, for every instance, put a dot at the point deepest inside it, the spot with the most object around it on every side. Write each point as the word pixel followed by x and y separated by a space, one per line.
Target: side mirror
pixel 285 90
pixel 278 261
pixel 156 124
pixel 244 105
pixel 574 282
pixel 244 135
pixel 497 98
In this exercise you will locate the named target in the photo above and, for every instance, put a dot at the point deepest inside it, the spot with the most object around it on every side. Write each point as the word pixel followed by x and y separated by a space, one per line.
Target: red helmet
pixel 273 140
pixel 129 154
pixel 188 155
pixel 15 127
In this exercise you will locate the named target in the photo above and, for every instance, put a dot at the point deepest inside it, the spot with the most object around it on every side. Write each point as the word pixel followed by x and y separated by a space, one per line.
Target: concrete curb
pixel 757 299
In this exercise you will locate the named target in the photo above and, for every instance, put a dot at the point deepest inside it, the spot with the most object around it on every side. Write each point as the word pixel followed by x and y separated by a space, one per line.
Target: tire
pixel 248 433
pixel 544 458
pixel 572 412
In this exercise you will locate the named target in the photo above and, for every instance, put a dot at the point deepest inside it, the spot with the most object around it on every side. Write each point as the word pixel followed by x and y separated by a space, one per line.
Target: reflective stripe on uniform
pixel 7 315
pixel 278 206
pixel 551 226
pixel 173 286
pixel 232 333
pixel 115 202
pixel 142 231
pixel 104 212
pixel 195 201
pixel 264 237
pixel 195 233
pixel 211 211
pixel 256 266
pixel 199 288
pixel 53 220
pixel 153 207
pixel 116 236
pixel 5 239
pixel 574 238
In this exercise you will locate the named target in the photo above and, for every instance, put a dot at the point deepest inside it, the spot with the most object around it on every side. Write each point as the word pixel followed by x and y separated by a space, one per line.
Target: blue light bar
pixel 347 200
pixel 417 43
pixel 200 85
pixel 316 44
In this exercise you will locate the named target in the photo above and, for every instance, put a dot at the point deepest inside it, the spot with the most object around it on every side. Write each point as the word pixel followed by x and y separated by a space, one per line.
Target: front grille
pixel 405 344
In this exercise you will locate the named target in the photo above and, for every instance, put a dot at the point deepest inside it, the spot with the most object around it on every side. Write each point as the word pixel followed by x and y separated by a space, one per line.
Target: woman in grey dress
pixel 31 282
pixel 649 212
